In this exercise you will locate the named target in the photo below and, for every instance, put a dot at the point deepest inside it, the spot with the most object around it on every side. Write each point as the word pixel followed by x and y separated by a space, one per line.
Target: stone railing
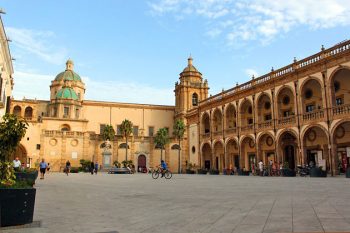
pixel 315 115
pixel 217 133
pixel 205 136
pixel 265 124
pixel 311 60
pixel 341 109
pixel 231 130
pixel 286 120
pixel 247 128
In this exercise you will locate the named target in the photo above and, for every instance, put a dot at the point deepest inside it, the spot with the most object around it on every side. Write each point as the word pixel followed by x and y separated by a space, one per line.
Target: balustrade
pixel 315 115
pixel 341 109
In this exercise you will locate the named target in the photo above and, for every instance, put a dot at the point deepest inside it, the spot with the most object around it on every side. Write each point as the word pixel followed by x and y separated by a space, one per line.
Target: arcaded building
pixel 294 115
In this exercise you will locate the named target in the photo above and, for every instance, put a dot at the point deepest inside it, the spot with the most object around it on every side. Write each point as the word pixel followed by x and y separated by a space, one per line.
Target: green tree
pixel 161 139
pixel 178 132
pixel 12 130
pixel 126 128
pixel 108 133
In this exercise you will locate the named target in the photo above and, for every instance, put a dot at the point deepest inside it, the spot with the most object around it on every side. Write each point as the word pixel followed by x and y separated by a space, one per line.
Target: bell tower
pixel 190 90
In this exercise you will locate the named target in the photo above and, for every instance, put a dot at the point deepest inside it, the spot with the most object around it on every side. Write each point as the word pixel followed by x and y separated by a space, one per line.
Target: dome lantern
pixel 69 65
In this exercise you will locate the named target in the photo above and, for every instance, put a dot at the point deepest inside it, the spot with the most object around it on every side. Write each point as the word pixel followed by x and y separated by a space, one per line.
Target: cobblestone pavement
pixel 190 203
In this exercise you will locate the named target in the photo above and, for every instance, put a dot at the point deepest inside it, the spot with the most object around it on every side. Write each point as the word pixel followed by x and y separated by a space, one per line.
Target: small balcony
pixel 265 125
pixel 205 136
pixel 231 131
pixel 313 116
pixel 286 121
pixel 247 128
pixel 341 110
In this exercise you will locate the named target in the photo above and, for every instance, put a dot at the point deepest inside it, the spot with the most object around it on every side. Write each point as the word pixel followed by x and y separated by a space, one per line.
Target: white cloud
pixel 39 43
pixel 32 85
pixel 259 20
pixel 251 72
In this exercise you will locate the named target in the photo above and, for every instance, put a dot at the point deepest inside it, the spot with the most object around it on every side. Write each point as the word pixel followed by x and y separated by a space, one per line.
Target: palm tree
pixel 178 132
pixel 161 139
pixel 126 128
pixel 108 133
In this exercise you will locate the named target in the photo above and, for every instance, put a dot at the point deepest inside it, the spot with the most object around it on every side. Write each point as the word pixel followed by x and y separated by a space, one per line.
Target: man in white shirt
pixel 16 164
pixel 261 167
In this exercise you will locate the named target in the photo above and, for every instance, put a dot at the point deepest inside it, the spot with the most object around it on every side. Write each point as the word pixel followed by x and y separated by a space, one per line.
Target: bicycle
pixel 156 172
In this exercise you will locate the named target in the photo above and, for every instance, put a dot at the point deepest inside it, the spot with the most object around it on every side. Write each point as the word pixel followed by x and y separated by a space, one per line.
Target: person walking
pixel 48 167
pixel 16 164
pixel 92 167
pixel 261 167
pixel 67 169
pixel 43 167
pixel 96 167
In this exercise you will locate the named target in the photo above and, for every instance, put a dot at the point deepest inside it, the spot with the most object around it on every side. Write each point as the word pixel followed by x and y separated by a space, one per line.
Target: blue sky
pixel 133 51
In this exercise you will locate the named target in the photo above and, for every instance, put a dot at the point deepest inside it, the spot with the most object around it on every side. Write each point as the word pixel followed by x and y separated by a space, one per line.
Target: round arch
pixel 284 87
pixel 304 131
pixel 280 133
pixel 308 79
pixel 241 103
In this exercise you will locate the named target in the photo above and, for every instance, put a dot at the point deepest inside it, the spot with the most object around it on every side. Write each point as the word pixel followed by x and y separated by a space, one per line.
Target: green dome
pixel 67 93
pixel 68 75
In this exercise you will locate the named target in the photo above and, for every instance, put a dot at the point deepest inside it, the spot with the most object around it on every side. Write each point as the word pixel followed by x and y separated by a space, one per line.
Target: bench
pixel 119 170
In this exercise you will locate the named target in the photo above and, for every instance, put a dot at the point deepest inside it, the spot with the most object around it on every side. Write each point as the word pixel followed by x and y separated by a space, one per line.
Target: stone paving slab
pixel 109 203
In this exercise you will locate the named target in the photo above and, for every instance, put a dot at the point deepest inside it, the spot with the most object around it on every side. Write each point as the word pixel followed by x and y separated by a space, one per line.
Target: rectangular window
pixel 150 131
pixel 250 121
pixel 102 127
pixel 268 117
pixel 54 112
pixel 119 132
pixel 135 131
pixel 310 108
pixel 286 113
pixel 77 113
pixel 339 101
pixel 66 112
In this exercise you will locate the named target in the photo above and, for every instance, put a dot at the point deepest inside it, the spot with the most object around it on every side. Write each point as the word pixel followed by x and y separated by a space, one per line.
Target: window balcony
pixel 231 131
pixel 265 125
pixel 286 121
pixel 341 110
pixel 205 136
pixel 313 116
pixel 247 128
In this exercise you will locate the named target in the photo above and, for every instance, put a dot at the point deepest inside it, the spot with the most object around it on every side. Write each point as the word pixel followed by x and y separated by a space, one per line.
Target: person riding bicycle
pixel 164 167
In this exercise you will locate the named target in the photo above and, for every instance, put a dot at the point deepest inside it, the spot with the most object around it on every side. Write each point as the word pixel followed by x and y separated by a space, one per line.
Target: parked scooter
pixel 304 170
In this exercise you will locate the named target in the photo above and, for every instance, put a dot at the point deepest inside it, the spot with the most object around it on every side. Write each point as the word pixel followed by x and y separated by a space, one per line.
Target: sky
pixel 133 51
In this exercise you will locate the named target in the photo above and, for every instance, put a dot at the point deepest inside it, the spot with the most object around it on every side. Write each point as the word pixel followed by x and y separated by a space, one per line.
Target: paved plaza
pixel 189 203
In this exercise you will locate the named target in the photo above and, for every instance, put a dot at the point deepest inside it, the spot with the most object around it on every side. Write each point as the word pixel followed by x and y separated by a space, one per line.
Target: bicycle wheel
pixel 155 175
pixel 168 175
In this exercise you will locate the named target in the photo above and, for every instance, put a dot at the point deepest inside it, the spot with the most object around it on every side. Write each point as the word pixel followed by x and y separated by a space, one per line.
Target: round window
pixel 267 105
pixel 308 93
pixel 193 149
pixel 336 86
pixel 286 100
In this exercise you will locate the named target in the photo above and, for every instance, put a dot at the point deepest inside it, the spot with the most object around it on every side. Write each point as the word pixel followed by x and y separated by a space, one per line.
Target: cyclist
pixel 163 167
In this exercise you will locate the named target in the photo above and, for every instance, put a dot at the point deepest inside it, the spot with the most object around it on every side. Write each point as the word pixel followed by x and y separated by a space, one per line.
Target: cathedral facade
pixel 295 115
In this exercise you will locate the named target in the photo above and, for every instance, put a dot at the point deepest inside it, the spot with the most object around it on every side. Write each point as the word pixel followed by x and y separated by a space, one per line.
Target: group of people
pixel 93 168
pixel 272 169
pixel 43 166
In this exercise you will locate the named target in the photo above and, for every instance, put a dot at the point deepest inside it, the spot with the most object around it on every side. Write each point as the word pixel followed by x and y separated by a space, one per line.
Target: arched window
pixel 28 112
pixel 65 127
pixel 17 110
pixel 195 99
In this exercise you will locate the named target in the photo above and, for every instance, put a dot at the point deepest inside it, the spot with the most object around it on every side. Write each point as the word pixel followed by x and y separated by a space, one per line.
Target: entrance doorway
pixel 289 156
pixel 237 161
pixel 207 164
pixel 252 160
pixel 106 159
pixel 217 163
pixel 141 164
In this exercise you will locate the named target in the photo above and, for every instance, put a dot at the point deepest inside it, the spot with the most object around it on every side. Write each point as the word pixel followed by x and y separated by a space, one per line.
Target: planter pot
pixel 27 176
pixel 288 172
pixel 189 171
pixel 202 171
pixel 348 172
pixel 16 206
pixel 214 172
pixel 317 172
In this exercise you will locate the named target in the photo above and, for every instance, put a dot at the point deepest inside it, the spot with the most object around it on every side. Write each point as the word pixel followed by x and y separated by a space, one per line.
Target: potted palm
pixel 17 197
